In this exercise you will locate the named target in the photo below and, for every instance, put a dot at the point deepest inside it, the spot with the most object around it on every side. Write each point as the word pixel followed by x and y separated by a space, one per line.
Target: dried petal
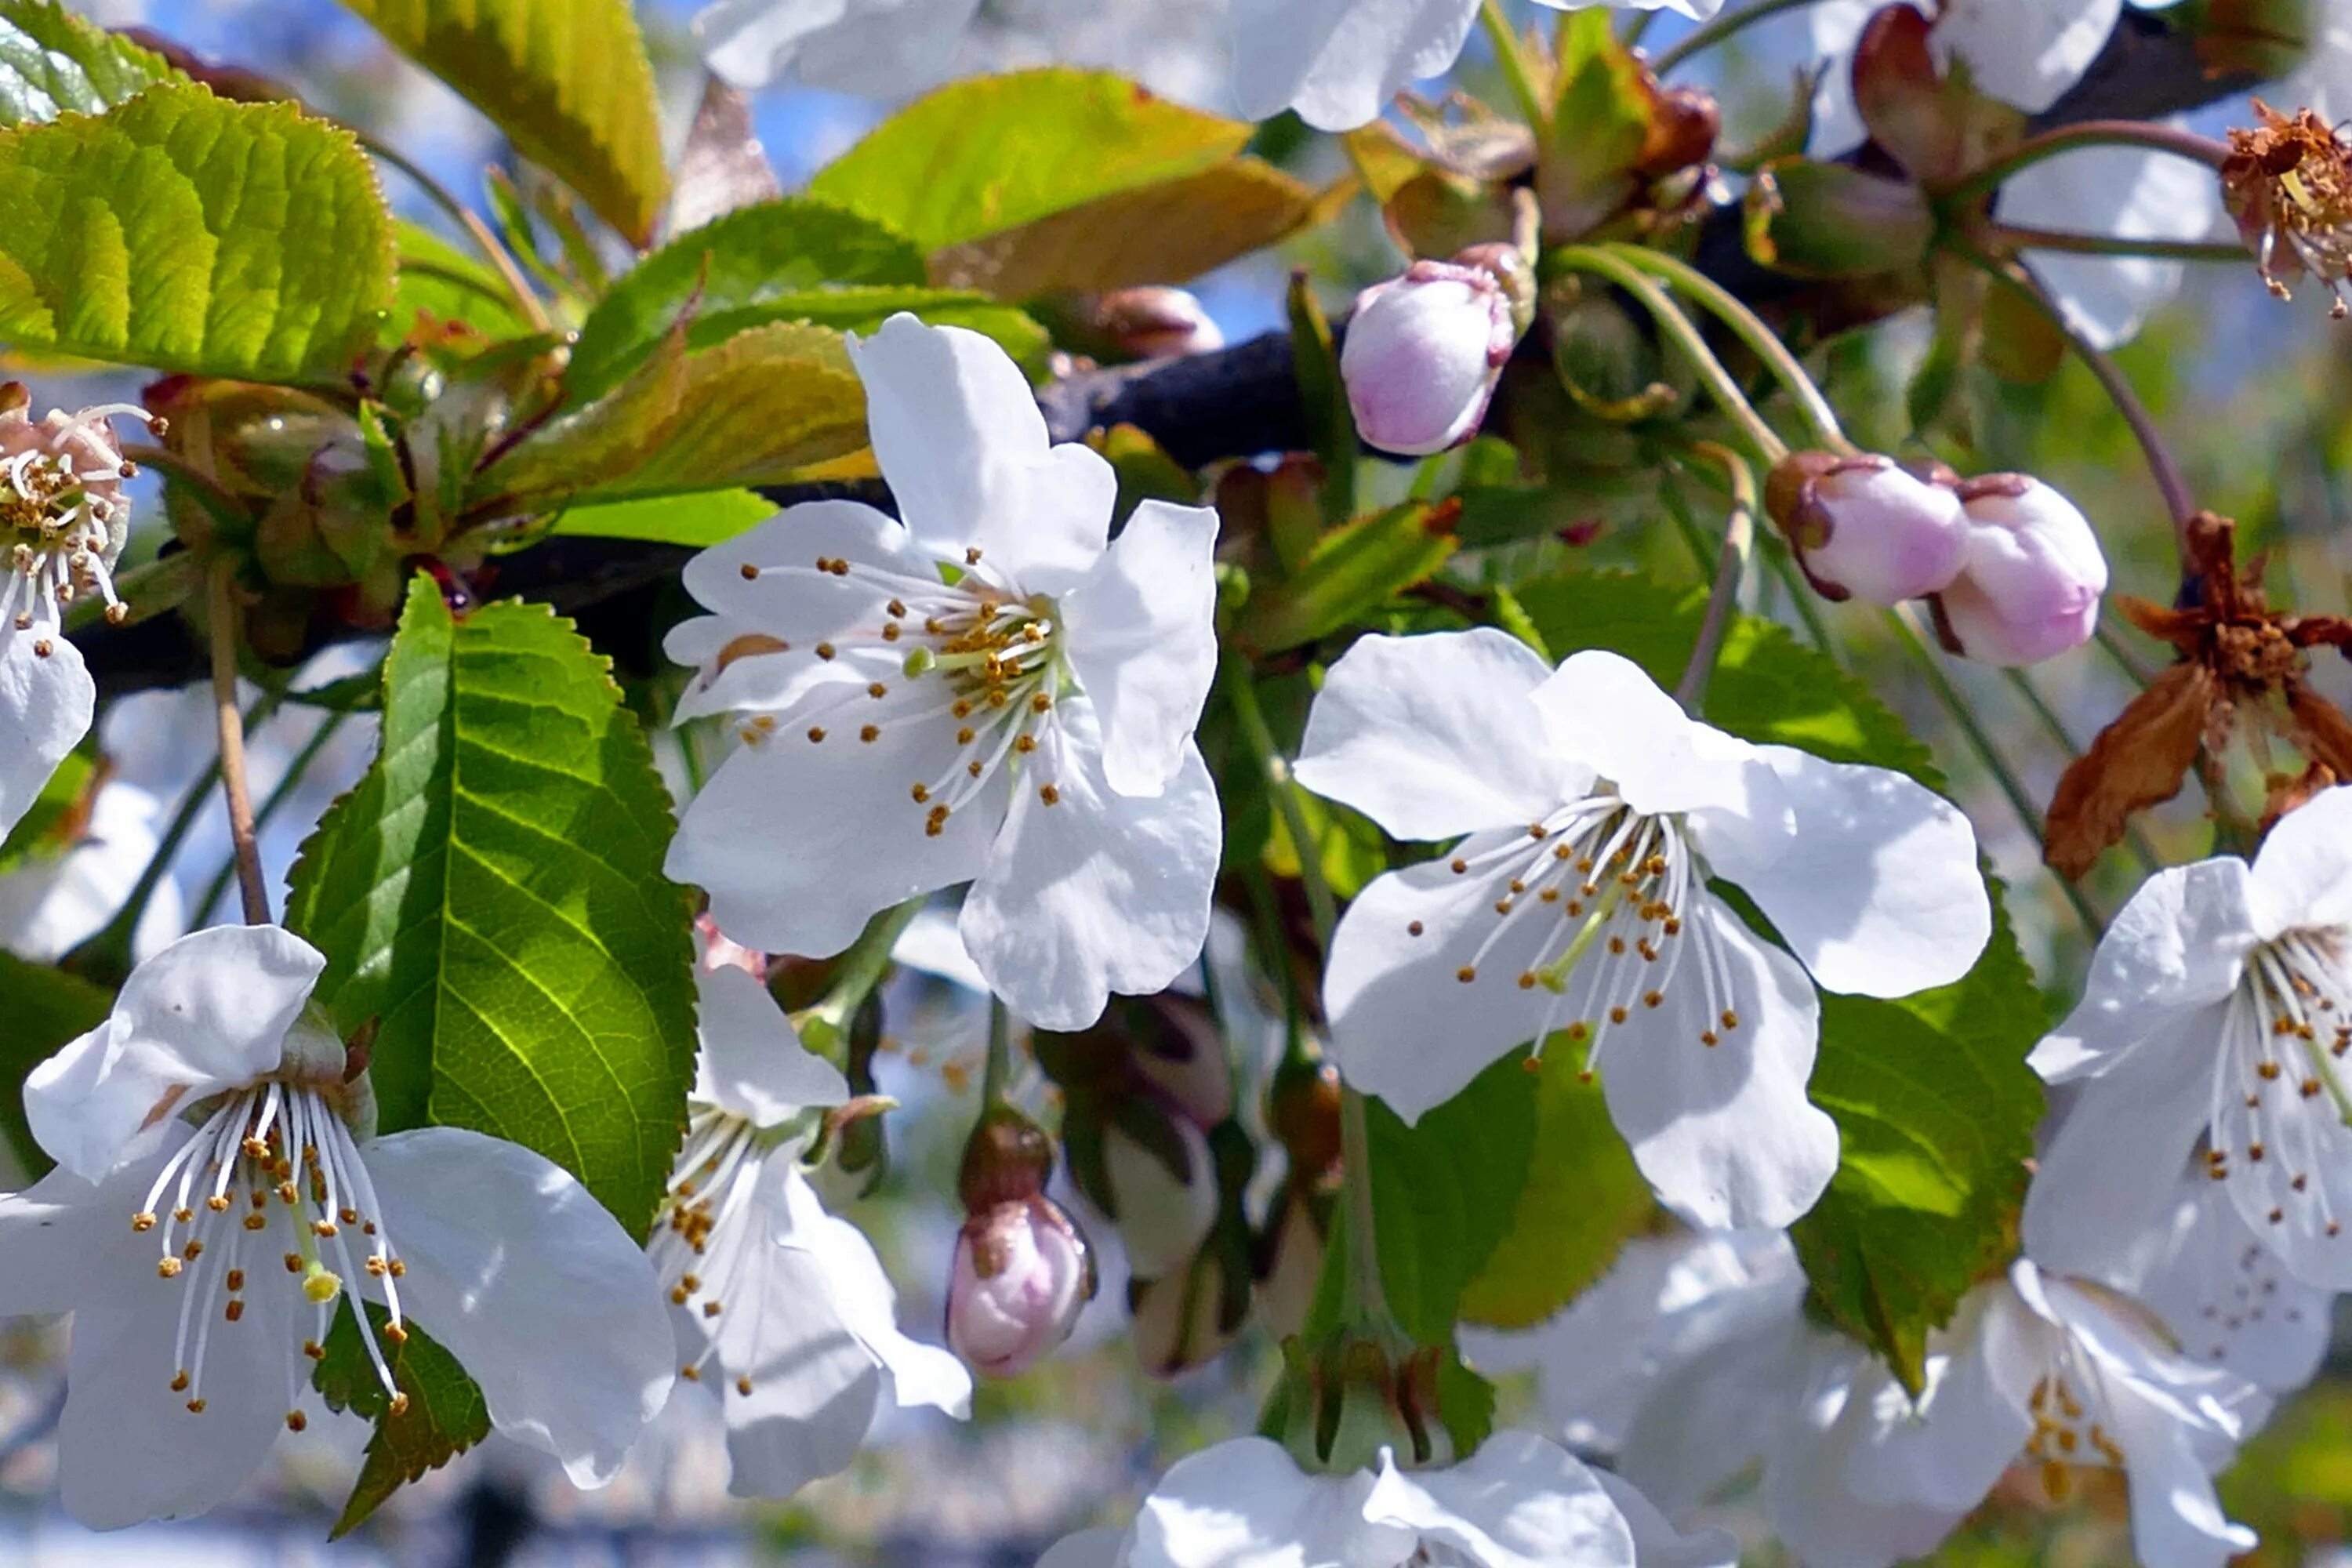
pixel 2318 729
pixel 2138 760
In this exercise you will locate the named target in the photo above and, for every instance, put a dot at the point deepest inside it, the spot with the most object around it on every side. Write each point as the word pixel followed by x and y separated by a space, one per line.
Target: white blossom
pixel 990 691
pixel 219 1189
pixel 1595 812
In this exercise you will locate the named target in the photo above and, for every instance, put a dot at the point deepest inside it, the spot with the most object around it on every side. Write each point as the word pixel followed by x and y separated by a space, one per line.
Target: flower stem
pixel 1364 1237
pixel 825 1026
pixel 1761 340
pixel 996 1077
pixel 250 886
pixel 1731 569
pixel 208 490
pixel 2087 133
pixel 1906 631
pixel 276 803
pixel 2170 482
pixel 1518 70
pixel 1707 35
pixel 1284 789
pixel 2019 237
pixel 525 300
pixel 1677 326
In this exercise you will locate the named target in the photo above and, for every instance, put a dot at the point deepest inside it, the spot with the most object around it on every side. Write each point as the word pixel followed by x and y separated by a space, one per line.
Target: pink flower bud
pixel 1423 354
pixel 1152 321
pixel 2034 573
pixel 1023 1273
pixel 1865 529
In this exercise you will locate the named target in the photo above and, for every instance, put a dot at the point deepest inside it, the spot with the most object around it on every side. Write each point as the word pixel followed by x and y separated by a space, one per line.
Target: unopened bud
pixel 1189 1318
pixel 2029 589
pixel 1865 527
pixel 1164 1194
pixel 1007 1161
pixel 1023 1274
pixel 1157 322
pixel 1425 351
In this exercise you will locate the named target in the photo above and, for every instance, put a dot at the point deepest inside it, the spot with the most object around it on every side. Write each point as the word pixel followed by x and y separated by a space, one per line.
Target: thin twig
pixel 254 892
pixel 1364 1237
pixel 1259 738
pixel 1731 569
pixel 2034 150
pixel 525 299
pixel 294 770
pixel 996 1077
pixel 1710 34
pixel 2021 237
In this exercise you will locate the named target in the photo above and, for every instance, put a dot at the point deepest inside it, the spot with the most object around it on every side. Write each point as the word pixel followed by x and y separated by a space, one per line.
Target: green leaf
pixel 1935 1111
pixel 697 521
pixel 492 893
pixel 1354 570
pixel 1828 220
pixel 47 1009
pixel 1582 1200
pixel 449 284
pixel 567 80
pixel 50 808
pixel 1445 1191
pixel 54 62
pixel 730 270
pixel 445 1414
pixel 991 154
pixel 189 232
pixel 755 410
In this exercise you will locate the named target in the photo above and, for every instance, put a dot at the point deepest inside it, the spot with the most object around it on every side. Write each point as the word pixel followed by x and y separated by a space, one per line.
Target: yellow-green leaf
pixel 54 62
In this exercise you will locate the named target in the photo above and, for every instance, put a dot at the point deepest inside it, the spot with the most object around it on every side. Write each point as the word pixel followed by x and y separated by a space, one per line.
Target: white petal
pixel 1518 1503
pixel 2111 1168
pixel 1725 1132
pixel 2124 190
pixel 957 433
pixel 1603 710
pixel 887 50
pixel 750 43
pixel 2298 1196
pixel 799 843
pixel 1949 1450
pixel 1244 1504
pixel 2025 54
pixel 1338 62
pixel 2177 1522
pixel 209 1012
pixel 752 1062
pixel 129 1449
pixel 1814 1511
pixel 1141 636
pixel 2303 878
pixel 523 1277
pixel 2179 944
pixel 1405 1026
pixel 1432 736
pixel 1097 892
pixel 1711 1415
pixel 2226 1297
pixel 46 704
pixel 1884 896
pixel 1086 1549
pixel 62 1236
pixel 919 1374
pixel 1656 1542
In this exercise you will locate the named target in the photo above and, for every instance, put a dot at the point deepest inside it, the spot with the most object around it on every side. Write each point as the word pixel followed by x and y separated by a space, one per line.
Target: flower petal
pixel 2303 877
pixel 1884 898
pixel 1432 736
pixel 46 704
pixel 1088 1549
pixel 2108 1171
pixel 533 1287
pixel 754 1063
pixel 1097 892
pixel 1521 1501
pixel 1708 1418
pixel 1656 1542
pixel 60 1237
pixel 1245 1504
pixel 2225 1295
pixel 209 1012
pixel 861 1293
pixel 1338 62
pixel 1813 1509
pixel 1725 1132
pixel 1603 710
pixel 1404 1025
pixel 2027 56
pixel 1947 1451
pixel 853 842
pixel 2177 1522
pixel 2289 1157
pixel 2179 944
pixel 2128 191
pixel 1142 639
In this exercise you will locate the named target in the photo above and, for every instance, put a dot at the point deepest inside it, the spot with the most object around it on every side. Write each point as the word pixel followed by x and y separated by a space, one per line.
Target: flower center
pixel 2066 1435
pixel 2287 1031
pixel 975 655
pixel 272 1168
pixel 62 514
pixel 702 1240
pixel 1614 886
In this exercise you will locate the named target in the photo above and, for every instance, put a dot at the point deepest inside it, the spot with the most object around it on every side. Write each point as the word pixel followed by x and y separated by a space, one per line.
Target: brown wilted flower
pixel 2288 182
pixel 2242 667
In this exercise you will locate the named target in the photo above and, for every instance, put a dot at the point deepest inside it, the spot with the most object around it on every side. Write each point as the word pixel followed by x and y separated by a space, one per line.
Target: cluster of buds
pixel 63 516
pixel 2010 567
pixel 2288 183
pixel 1023 1270
pixel 1425 351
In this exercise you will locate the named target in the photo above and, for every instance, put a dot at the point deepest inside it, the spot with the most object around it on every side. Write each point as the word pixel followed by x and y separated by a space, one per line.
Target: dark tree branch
pixel 1236 402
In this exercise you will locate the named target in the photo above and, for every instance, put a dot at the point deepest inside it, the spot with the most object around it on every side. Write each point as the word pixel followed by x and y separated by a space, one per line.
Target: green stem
pixel 1731 570
pixel 273 805
pixel 1761 340
pixel 1511 54
pixel 2019 237
pixel 1259 738
pixel 224 507
pixel 825 1026
pixel 1671 320
pixel 1906 632
pixel 1364 1241
pixel 253 889
pixel 996 1079
pixel 2086 133
pixel 525 299
pixel 1709 34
